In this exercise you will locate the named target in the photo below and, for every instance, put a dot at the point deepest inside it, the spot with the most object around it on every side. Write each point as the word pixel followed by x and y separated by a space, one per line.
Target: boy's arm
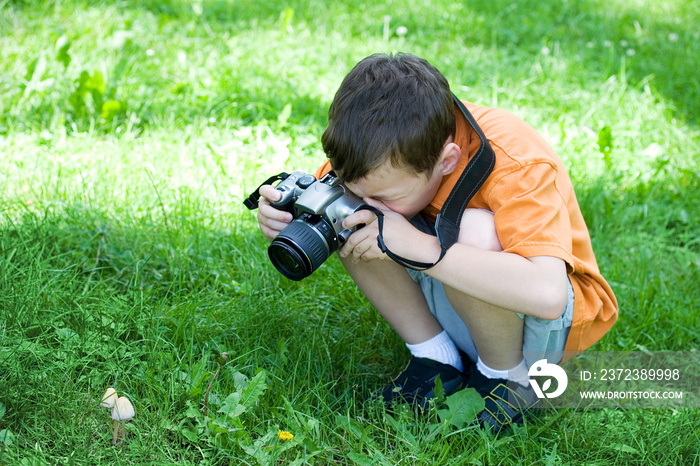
pixel 534 286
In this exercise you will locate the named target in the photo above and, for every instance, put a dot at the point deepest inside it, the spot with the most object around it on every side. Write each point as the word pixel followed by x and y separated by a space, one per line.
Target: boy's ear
pixel 449 158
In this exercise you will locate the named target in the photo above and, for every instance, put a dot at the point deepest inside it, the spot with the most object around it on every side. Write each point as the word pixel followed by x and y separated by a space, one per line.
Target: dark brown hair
pixel 389 107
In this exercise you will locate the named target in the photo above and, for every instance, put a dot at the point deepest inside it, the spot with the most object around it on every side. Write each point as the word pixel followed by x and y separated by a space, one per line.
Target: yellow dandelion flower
pixel 284 435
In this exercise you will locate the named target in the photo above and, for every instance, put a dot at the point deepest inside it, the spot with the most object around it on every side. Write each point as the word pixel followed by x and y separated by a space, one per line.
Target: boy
pixel 521 283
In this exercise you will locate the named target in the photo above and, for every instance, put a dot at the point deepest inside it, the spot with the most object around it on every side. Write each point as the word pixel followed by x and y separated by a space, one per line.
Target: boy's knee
pixel 478 230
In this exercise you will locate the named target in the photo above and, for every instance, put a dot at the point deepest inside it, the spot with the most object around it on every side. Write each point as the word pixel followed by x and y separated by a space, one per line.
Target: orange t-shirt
pixel 535 211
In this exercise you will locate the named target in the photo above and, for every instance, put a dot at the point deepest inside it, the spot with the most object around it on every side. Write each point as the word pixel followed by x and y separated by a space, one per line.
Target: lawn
pixel 130 133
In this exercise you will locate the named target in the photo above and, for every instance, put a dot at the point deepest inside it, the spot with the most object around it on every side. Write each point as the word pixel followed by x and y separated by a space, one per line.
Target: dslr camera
pixel 319 208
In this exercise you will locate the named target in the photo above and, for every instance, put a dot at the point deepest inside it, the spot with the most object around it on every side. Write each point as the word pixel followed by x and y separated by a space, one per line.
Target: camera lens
pixel 302 247
pixel 287 259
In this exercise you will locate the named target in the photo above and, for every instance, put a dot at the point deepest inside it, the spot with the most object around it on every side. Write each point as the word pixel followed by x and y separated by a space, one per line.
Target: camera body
pixel 319 208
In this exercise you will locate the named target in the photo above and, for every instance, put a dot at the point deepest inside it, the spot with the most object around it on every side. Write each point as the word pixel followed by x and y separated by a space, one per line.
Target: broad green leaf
pixel 605 145
pixel 350 425
pixel 190 435
pixel 439 392
pixel 402 429
pixel 361 459
pixel 66 334
pixel 287 15
pixel 239 381
pixel 621 447
pixel 192 412
pixel 6 437
pixel 463 408
pixel 35 70
pixel 254 389
pixel 96 82
pixel 232 406
pixel 605 140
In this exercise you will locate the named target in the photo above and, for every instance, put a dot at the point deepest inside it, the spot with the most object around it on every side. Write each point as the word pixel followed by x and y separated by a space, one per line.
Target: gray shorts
pixel 542 338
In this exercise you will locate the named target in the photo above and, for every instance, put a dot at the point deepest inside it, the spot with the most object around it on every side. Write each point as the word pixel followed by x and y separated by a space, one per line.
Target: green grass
pixel 127 259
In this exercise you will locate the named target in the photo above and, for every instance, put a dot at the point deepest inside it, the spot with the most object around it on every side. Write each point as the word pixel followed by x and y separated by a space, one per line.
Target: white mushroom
pixel 109 398
pixel 123 410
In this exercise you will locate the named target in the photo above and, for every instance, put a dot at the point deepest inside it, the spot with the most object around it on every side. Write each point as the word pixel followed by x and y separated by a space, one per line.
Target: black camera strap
pixel 450 216
pixel 251 202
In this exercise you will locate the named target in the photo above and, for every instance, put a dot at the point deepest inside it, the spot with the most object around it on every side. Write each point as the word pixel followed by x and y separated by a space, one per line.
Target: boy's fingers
pixel 269 233
pixel 266 211
pixel 358 218
pixel 273 225
pixel 270 193
pixel 361 251
pixel 359 242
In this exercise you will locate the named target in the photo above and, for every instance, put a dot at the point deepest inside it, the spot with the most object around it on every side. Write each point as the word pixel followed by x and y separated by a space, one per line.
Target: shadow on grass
pixel 90 300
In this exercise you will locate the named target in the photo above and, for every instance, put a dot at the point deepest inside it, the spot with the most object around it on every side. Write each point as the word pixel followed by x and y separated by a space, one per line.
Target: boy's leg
pixel 400 300
pixel 497 333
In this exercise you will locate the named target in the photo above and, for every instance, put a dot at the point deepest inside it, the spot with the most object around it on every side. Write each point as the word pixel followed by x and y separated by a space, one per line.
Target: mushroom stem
pixel 115 432
pixel 122 432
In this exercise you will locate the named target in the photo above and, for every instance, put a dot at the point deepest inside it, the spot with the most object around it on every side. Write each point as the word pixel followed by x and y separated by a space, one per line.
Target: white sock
pixel 516 374
pixel 440 348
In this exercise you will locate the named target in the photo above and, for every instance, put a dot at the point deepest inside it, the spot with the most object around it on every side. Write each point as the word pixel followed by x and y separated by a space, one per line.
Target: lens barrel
pixel 302 247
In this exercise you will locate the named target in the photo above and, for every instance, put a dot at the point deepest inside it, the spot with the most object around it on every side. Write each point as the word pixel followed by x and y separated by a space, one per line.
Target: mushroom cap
pixel 123 409
pixel 109 398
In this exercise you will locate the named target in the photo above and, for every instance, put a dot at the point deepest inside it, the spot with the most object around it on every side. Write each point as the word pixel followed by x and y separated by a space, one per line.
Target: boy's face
pixel 400 190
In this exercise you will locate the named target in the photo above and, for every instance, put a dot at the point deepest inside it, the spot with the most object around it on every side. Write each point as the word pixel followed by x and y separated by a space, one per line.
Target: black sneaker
pixel 506 401
pixel 416 384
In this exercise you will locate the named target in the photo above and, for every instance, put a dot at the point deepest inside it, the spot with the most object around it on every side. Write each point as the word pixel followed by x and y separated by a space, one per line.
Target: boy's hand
pixel 271 221
pixel 400 237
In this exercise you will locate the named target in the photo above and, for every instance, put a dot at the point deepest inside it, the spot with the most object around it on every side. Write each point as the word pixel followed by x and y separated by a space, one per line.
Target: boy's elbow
pixel 552 287
pixel 554 300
